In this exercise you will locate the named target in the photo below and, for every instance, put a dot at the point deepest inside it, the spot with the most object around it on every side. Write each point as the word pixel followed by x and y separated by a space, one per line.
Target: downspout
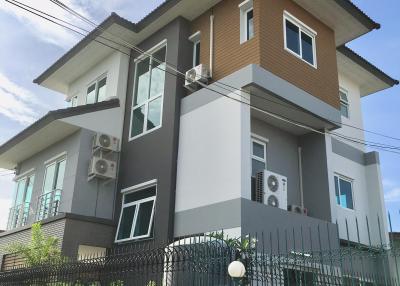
pixel 300 177
pixel 211 44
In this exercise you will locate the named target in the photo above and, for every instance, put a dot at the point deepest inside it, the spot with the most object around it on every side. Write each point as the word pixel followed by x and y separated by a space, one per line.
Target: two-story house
pixel 264 136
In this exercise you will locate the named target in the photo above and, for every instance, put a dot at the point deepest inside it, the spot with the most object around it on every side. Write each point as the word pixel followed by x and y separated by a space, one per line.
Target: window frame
pixel 195 39
pixel 74 101
pixel 262 141
pixel 244 8
pixel 148 53
pixel 347 103
pixel 96 88
pixel 57 159
pixel 348 180
pixel 303 28
pixel 130 190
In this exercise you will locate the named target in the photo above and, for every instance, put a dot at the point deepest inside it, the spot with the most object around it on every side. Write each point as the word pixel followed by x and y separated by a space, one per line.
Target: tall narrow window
pixel 148 94
pixel 246 21
pixel 299 39
pixel 258 156
pixel 50 199
pixel 196 53
pixel 20 210
pixel 96 92
pixel 344 103
pixel 74 101
pixel 344 192
pixel 137 213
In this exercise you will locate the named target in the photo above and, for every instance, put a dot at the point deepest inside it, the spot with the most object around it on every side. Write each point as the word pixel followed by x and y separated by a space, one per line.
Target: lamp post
pixel 236 270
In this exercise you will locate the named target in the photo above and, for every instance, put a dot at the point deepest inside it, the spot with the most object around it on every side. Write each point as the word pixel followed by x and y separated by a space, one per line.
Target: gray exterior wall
pixel 316 176
pixel 154 155
pixel 282 156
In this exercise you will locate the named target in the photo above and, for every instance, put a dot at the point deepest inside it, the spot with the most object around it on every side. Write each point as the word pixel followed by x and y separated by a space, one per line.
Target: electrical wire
pixel 379 146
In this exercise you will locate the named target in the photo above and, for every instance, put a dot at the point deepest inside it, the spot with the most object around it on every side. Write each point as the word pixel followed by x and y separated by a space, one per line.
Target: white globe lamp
pixel 236 269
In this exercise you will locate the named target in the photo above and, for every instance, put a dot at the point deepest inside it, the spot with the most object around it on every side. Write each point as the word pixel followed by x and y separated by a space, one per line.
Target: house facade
pixel 267 136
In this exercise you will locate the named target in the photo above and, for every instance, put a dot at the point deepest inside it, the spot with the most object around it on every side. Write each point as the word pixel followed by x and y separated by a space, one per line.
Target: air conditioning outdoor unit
pixel 105 142
pixel 297 209
pixel 195 75
pixel 102 168
pixel 271 189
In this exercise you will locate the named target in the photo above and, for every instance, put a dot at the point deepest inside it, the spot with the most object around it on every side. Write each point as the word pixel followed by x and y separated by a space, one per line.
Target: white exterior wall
pixel 214 153
pixel 355 112
pixel 367 181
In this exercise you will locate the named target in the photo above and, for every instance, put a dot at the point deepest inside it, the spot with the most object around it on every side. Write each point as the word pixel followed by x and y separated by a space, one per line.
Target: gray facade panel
pixel 315 176
pixel 282 156
pixel 347 151
pixel 215 217
pixel 154 155
pixel 371 158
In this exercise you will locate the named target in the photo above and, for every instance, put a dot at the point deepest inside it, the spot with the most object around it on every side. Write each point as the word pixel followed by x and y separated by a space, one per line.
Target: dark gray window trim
pixel 55 115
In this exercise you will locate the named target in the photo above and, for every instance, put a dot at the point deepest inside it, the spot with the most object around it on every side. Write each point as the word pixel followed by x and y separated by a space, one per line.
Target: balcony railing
pixel 48 205
pixel 18 216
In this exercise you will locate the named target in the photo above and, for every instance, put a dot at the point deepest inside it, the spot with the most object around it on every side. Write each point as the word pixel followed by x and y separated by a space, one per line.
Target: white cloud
pixel 17 103
pixel 393 195
pixel 43 29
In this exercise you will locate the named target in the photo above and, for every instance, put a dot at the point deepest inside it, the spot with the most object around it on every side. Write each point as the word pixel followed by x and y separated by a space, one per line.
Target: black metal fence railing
pixel 204 260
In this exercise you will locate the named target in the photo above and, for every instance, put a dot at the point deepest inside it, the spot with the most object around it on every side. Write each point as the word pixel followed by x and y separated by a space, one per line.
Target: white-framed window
pixel 344 102
pixel 74 101
pixel 50 199
pixel 258 155
pixel 137 212
pixel 195 39
pixel 299 39
pixel 22 198
pixel 344 191
pixel 246 20
pixel 148 92
pixel 96 91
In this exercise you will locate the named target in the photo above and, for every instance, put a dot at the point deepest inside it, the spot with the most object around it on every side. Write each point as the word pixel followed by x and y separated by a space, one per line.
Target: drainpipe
pixel 300 177
pixel 211 44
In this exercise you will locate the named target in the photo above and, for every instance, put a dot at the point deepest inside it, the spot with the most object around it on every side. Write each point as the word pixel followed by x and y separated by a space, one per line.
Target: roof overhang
pixel 342 16
pixel 96 45
pixel 368 77
pixel 51 128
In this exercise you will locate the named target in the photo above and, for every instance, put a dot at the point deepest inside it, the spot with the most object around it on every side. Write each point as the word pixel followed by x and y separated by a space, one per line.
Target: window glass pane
pixel 142 81
pixel 197 54
pixel 143 219
pixel 91 94
pixel 257 166
pixel 29 189
pixel 346 196
pixel 343 96
pixel 157 73
pixel 154 113
pixel 60 175
pixel 292 37
pixel 258 150
pixel 140 195
pixel 137 121
pixel 101 90
pixel 125 226
pixel 20 191
pixel 49 178
pixel 307 48
pixel 344 109
pixel 250 25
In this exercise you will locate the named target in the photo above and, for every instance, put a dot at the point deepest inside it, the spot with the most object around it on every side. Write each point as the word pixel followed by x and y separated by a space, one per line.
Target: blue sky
pixel 29 45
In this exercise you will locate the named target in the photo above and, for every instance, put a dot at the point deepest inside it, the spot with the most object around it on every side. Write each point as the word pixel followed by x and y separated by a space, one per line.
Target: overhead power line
pixel 380 146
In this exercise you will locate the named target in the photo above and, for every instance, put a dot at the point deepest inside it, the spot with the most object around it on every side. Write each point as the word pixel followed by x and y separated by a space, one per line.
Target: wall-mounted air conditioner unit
pixel 271 189
pixel 297 209
pixel 195 75
pixel 102 168
pixel 106 142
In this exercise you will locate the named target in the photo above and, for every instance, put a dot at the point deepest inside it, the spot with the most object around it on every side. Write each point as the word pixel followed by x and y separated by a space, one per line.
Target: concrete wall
pixel 282 156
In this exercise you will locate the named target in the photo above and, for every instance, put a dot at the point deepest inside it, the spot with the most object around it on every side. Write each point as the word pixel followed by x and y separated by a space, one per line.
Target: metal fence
pixel 204 260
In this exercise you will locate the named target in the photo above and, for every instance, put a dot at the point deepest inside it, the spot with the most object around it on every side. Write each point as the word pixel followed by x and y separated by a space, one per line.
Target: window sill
pixel 137 239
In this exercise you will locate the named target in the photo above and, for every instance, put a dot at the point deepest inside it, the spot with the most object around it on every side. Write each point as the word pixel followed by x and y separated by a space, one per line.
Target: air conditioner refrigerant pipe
pixel 211 44
pixel 301 177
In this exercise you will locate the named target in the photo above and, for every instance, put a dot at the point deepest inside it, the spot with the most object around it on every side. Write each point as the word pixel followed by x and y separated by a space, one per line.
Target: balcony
pixel 18 216
pixel 48 205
